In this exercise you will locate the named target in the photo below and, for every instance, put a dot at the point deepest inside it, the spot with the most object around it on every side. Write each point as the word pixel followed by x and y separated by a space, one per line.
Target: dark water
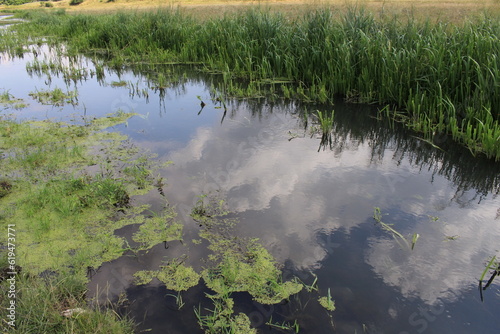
pixel 311 205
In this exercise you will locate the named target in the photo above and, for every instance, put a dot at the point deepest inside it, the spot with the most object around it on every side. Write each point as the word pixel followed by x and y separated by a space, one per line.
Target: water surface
pixel 310 205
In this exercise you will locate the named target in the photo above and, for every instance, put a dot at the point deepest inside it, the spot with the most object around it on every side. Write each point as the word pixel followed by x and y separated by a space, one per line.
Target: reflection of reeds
pixel 377 215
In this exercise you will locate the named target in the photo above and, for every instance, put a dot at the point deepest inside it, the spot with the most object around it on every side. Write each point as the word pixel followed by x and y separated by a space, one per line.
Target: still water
pixel 310 204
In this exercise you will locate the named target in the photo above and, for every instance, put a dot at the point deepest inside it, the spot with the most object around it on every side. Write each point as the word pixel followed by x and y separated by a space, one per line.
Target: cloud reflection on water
pixel 285 192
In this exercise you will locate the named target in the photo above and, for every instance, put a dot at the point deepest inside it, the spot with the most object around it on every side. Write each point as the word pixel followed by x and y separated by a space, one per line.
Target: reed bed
pixel 436 78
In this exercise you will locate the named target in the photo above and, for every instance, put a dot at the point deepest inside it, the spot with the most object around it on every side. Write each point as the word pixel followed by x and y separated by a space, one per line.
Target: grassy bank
pixel 436 78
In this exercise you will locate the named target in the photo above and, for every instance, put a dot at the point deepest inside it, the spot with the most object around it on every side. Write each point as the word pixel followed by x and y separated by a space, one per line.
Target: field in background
pixel 453 10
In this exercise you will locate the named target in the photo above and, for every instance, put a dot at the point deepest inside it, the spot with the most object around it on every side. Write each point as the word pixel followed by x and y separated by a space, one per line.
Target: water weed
pixel 55 97
pixel 377 215
pixel 222 320
pixel 295 327
pixel 174 274
pixel 8 101
pixel 327 302
pixel 157 229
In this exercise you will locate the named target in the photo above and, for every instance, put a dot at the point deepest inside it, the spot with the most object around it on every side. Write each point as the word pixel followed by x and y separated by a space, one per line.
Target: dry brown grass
pixel 447 10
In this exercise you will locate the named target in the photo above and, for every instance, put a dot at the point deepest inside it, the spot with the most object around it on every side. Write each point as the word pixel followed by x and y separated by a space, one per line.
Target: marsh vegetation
pixel 73 187
pixel 440 79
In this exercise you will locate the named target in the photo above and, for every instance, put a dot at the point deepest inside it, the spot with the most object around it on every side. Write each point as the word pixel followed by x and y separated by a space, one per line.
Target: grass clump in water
pixel 55 97
pixel 7 100
pixel 174 275
pixel 236 265
pixel 222 320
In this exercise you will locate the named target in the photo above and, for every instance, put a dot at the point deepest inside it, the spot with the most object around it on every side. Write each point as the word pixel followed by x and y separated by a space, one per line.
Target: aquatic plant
pixel 55 97
pixel 9 101
pixel 327 302
pixel 326 121
pixel 295 327
pixel 255 272
pixel 235 265
pixel 157 229
pixel 377 215
pixel 493 267
pixel 174 274
pixel 222 320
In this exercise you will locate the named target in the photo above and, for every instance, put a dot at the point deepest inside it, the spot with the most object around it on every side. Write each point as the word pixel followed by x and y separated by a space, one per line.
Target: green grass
pixel 442 78
pixel 40 304
pixel 325 127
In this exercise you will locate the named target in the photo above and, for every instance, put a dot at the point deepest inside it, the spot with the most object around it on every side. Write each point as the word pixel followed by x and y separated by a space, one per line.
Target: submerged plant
pixel 377 215
pixel 295 327
pixel 236 265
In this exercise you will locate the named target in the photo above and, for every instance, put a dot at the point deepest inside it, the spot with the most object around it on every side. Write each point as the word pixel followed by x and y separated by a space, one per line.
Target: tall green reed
pixel 445 78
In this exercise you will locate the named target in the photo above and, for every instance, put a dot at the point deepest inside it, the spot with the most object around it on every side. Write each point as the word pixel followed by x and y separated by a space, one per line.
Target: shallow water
pixel 311 206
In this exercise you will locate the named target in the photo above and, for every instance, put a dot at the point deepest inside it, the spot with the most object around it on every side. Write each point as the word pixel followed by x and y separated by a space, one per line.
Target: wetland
pixel 319 178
